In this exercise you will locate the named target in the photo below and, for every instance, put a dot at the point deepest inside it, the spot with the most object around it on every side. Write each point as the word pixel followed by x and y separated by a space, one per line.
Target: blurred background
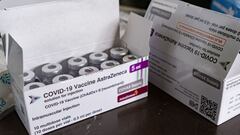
pixel 143 4
pixel 140 7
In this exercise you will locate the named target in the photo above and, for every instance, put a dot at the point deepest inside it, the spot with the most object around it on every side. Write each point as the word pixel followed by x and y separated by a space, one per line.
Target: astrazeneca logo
pixel 33 99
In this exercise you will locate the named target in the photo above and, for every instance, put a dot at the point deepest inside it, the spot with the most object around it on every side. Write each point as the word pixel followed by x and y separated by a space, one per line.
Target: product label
pixel 201 38
pixel 139 66
pixel 193 51
pixel 209 80
pixel 62 104
pixel 230 106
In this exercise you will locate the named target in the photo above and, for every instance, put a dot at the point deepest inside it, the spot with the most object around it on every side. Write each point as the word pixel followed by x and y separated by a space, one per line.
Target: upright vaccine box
pixel 195 57
pixel 50 32
pixel 4 4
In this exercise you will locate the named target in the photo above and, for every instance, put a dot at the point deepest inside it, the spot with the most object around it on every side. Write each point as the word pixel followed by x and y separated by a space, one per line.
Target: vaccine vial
pixel 109 64
pixel 29 77
pixel 75 64
pixel 49 71
pixel 129 58
pixel 33 85
pixel 61 78
pixel 97 58
pixel 88 70
pixel 118 53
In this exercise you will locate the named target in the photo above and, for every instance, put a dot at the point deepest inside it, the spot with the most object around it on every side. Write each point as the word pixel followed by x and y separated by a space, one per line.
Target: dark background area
pixel 144 3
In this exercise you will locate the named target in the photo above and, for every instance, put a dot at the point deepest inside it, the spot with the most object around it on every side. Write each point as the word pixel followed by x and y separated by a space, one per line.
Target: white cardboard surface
pixel 46 31
pixel 14 3
pixel 195 57
pixel 136 36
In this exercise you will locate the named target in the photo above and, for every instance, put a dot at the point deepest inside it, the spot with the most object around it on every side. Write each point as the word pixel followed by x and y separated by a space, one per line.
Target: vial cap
pixel 109 64
pixel 33 85
pixel 129 58
pixel 29 77
pixel 118 52
pixel 51 69
pixel 76 63
pixel 98 57
pixel 88 70
pixel 61 78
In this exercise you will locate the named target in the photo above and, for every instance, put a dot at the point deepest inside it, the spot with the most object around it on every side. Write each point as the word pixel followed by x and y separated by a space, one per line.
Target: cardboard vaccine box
pixel 50 32
pixel 6 98
pixel 231 7
pixel 4 4
pixel 194 56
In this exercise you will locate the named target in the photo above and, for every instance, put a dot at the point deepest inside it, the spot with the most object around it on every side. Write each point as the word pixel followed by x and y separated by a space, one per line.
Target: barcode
pixel 208 108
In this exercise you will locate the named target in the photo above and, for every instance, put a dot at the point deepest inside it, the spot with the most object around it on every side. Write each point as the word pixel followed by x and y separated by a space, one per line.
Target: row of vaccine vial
pixel 77 66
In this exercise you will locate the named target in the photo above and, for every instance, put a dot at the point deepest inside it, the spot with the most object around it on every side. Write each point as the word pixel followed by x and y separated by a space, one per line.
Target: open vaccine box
pixel 49 32
pixel 194 57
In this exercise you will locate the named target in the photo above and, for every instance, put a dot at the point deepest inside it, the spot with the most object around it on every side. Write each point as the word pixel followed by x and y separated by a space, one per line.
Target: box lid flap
pixel 53 31
pixel 234 69
pixel 137 35
pixel 199 37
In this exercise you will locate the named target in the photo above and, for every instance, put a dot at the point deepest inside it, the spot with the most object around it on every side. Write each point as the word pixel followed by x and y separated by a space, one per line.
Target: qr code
pixel 208 108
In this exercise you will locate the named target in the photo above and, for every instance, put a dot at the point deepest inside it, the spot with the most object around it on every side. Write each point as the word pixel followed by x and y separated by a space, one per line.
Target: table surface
pixel 159 114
